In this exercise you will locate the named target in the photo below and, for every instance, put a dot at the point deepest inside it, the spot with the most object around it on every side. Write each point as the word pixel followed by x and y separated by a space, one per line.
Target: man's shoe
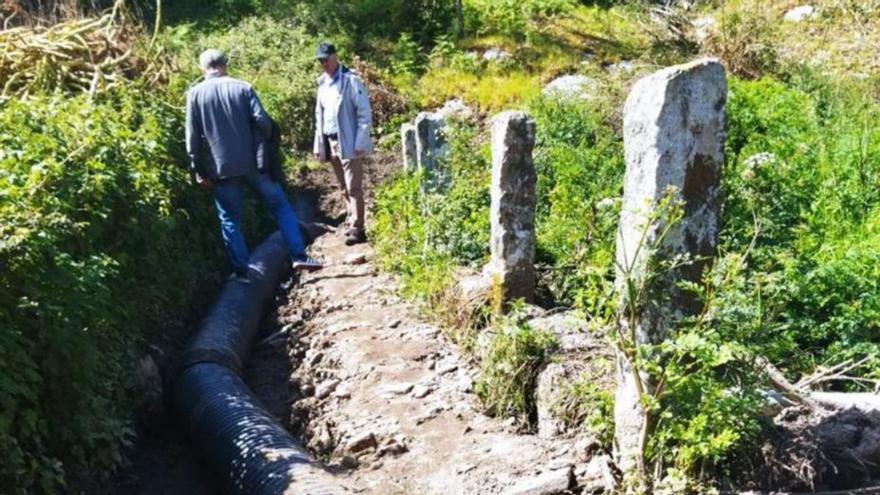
pixel 307 263
pixel 356 237
pixel 241 278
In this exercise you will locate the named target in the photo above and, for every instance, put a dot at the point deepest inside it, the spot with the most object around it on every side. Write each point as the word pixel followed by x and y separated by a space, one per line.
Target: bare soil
pixel 387 398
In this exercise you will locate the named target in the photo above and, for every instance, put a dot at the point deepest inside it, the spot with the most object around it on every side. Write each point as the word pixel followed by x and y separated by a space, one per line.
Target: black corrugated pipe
pixel 238 439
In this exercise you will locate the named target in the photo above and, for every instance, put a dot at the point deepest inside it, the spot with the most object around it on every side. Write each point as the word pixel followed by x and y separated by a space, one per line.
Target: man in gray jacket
pixel 343 121
pixel 225 123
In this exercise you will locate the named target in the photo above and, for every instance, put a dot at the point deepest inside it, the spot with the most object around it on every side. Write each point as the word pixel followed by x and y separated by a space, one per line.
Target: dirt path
pixel 388 400
pixel 377 393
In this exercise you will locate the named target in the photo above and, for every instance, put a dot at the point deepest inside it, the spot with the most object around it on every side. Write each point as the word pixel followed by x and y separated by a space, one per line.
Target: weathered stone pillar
pixel 674 131
pixel 431 144
pixel 512 211
pixel 408 145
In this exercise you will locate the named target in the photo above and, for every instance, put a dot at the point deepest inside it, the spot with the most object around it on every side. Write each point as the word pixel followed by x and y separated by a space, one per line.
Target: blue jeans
pixel 227 198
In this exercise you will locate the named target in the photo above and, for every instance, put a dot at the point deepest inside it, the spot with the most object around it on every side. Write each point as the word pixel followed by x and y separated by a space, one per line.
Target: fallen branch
pixel 784 387
pixel 819 401
pixel 837 372
pixel 844 400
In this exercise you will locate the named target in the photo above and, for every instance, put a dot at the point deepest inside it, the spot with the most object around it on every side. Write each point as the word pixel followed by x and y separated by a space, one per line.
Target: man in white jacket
pixel 343 121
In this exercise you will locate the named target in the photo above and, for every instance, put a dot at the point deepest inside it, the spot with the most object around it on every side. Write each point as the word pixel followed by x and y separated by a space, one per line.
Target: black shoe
pixel 355 237
pixel 307 263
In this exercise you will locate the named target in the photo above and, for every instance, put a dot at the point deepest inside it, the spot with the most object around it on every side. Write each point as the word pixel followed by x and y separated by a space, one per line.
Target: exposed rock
pixel 674 133
pixel 323 390
pixel 398 388
pixel 546 395
pixel 570 86
pixel 455 109
pixel 569 327
pixel 622 66
pixel 553 383
pixel 408 145
pixel 448 367
pixel 585 446
pixel 800 13
pixel 360 443
pixel 555 482
pixel 356 259
pixel 421 391
pixel 343 391
pixel 596 476
pixel 465 384
pixel 393 446
pixel 495 54
pixel 474 287
pixel 512 211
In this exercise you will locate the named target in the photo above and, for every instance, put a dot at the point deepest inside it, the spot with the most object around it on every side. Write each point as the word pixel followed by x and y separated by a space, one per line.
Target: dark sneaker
pixel 355 237
pixel 307 263
pixel 241 278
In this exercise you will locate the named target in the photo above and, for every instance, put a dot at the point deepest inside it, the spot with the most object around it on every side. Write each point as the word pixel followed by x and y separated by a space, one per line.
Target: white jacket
pixel 353 116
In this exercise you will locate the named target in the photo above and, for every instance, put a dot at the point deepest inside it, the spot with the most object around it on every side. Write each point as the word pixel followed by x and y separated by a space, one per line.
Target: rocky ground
pixel 387 400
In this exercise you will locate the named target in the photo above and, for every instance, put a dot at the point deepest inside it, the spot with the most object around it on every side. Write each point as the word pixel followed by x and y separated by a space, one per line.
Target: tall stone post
pixel 431 144
pixel 408 145
pixel 674 131
pixel 512 212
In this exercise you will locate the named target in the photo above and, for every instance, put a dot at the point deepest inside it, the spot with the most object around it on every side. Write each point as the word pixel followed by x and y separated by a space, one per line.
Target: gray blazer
pixel 353 115
pixel 227 115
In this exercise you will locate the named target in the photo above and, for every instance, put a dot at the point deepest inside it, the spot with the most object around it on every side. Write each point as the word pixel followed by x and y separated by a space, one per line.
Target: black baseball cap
pixel 325 49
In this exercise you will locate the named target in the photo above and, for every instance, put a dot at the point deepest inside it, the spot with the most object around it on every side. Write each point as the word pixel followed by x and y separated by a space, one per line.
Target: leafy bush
pixel 510 17
pixel 509 370
pixel 449 224
pixel 745 41
pixel 587 403
pixel 407 55
pixel 579 160
pixel 799 171
pixel 102 240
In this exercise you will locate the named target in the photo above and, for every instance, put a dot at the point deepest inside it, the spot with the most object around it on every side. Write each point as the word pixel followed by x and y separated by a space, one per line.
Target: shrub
pixel 579 160
pixel 510 17
pixel 509 370
pixel 451 223
pixel 798 170
pixel 408 57
pixel 102 240
pixel 587 402
pixel 745 41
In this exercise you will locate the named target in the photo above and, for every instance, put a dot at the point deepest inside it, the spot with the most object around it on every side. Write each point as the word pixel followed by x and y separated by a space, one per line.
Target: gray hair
pixel 212 59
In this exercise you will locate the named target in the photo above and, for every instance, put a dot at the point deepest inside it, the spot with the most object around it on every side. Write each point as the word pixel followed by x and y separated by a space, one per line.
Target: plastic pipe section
pixel 241 443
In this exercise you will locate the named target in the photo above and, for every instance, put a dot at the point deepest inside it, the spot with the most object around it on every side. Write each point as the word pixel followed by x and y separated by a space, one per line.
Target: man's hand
pixel 203 182
pixel 359 153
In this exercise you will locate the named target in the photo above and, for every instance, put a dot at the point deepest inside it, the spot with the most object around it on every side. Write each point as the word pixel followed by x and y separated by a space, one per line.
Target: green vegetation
pixel 103 241
pixel 796 277
pixel 514 356
pixel 99 225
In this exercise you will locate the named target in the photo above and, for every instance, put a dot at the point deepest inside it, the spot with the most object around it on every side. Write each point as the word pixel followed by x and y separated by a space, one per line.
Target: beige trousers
pixel 350 174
